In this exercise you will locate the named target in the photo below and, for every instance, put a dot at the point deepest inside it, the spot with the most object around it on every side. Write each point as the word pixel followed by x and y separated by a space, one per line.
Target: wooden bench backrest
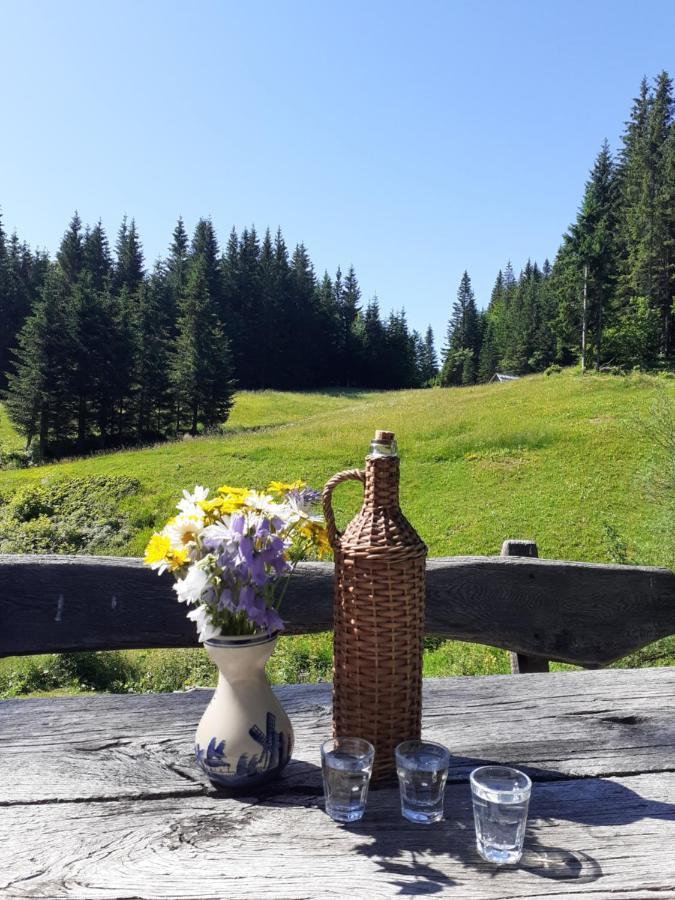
pixel 542 609
pixel 539 609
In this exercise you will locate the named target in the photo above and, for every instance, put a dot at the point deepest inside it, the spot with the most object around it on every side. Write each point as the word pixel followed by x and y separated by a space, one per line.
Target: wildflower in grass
pixel 232 554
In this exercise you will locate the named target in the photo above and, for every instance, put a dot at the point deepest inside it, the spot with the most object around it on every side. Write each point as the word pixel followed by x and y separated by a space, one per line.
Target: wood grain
pixel 100 799
pixel 585 838
pixel 574 612
pixel 136 746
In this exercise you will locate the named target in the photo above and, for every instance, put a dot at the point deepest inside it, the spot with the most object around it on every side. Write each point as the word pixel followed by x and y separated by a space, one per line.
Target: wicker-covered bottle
pixel 379 612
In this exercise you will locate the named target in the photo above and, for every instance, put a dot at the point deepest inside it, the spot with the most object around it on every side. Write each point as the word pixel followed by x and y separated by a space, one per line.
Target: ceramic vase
pixel 244 737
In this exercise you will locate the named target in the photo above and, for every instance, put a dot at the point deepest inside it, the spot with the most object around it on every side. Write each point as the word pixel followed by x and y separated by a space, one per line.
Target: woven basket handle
pixel 350 475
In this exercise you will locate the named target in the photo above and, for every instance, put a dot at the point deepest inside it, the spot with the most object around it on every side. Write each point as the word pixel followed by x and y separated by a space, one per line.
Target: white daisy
pixel 183 530
pixel 266 504
pixel 191 588
pixel 207 629
pixel 188 505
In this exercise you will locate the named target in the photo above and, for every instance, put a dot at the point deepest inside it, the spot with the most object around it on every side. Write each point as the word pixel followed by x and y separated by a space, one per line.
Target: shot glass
pixel 422 769
pixel 346 766
pixel 500 799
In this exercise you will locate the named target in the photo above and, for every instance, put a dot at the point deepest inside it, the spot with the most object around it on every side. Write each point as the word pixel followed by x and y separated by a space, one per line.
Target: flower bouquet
pixel 232 556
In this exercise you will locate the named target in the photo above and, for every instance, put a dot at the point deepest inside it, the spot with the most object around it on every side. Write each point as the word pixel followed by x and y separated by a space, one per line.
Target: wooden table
pixel 101 798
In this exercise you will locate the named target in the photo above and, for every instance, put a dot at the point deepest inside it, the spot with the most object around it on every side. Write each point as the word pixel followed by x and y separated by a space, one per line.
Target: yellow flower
pixel 176 558
pixel 321 540
pixel 282 487
pixel 232 504
pixel 305 529
pixel 324 549
pixel 233 491
pixel 316 533
pixel 221 506
pixel 157 550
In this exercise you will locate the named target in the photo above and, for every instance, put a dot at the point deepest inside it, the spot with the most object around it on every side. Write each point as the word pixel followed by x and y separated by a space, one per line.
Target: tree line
pixel 98 352
pixel 607 300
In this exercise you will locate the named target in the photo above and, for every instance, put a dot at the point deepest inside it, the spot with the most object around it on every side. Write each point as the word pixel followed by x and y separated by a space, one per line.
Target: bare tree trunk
pixel 598 338
pixel 584 317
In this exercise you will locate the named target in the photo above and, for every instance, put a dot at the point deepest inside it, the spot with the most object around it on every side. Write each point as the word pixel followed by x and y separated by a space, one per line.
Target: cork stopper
pixel 383 444
pixel 384 437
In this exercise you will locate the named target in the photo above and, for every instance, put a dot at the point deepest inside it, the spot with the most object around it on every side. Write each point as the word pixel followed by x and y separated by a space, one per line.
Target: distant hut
pixel 499 377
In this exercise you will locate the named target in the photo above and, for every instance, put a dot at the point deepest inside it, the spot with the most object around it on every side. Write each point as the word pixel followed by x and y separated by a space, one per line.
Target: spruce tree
pixel 129 264
pixel 97 260
pixel 328 353
pixel 593 239
pixel 178 262
pixel 154 407
pixel 205 247
pixel 70 255
pixel 201 370
pixel 122 310
pixel 460 354
pixel 38 398
pixel 250 308
pixel 646 176
pixel 400 356
pixel 494 336
pixel 660 250
pixel 301 320
pixel 230 313
pixel 89 336
pixel 375 373
pixel 269 315
pixel 349 310
pixel 544 337
pixel 9 302
pixel 428 364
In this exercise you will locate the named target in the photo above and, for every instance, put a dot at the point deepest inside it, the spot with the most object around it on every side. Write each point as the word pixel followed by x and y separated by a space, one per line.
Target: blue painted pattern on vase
pixel 245 737
pixel 274 754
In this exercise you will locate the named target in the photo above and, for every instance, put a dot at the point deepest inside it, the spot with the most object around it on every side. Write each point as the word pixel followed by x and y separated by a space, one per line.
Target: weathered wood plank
pixel 575 612
pixel 558 725
pixel 521 664
pixel 585 838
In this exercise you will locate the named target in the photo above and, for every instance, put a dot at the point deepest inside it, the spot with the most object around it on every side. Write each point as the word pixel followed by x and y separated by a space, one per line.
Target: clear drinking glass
pixel 422 769
pixel 346 765
pixel 500 799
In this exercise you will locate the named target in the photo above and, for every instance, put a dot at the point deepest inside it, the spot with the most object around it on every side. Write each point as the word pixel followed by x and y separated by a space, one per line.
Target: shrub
pixel 12 458
pixel 75 515
pixel 553 369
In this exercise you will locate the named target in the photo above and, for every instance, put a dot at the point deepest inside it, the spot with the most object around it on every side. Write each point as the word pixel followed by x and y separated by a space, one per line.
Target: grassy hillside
pixel 9 439
pixel 554 459
pixel 561 460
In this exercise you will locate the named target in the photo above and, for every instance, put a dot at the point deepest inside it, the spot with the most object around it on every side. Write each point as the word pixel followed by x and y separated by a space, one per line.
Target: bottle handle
pixel 350 475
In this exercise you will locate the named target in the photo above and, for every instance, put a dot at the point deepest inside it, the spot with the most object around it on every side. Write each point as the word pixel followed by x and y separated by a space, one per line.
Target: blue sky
pixel 412 140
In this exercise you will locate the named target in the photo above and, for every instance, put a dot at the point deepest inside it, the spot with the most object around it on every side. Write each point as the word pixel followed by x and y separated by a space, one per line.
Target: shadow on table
pixel 402 850
pixel 555 797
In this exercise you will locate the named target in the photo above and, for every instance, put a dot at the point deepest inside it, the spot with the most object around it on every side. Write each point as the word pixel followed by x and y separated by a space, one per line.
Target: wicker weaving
pixel 379 612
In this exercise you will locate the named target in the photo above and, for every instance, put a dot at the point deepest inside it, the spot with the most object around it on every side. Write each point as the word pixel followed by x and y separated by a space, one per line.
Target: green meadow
pixel 565 460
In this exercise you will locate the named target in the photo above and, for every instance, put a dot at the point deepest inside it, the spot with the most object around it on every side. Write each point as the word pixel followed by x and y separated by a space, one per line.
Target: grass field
pixel 562 460
pixel 9 439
